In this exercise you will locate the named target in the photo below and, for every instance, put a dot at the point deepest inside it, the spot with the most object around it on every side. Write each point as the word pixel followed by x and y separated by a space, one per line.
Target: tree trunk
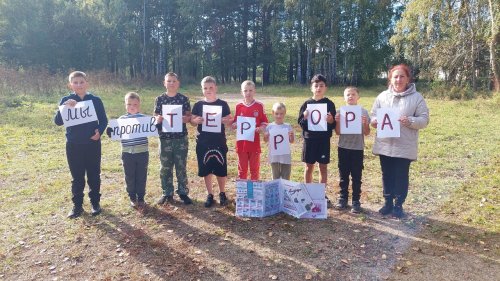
pixel 244 43
pixel 267 46
pixel 493 43
pixel 472 46
pixel 290 65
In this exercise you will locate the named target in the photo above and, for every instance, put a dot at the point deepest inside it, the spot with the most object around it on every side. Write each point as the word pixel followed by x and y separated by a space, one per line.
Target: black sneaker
pixel 186 199
pixel 397 212
pixel 165 198
pixel 133 204
pixel 328 203
pixel 96 209
pixel 75 212
pixel 141 205
pixel 387 208
pixel 210 201
pixel 341 204
pixel 356 207
pixel 222 199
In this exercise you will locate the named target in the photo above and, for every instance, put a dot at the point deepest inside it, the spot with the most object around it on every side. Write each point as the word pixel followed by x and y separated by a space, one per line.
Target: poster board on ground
pixel 262 199
pixel 257 199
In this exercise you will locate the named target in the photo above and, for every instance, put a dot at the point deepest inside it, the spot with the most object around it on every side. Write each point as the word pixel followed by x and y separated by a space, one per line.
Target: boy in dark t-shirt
pixel 316 147
pixel 211 115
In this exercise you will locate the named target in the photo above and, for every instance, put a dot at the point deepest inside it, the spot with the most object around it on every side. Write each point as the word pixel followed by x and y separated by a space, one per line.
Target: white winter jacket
pixel 412 104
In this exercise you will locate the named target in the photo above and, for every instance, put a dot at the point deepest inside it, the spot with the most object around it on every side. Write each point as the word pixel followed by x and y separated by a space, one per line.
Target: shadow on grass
pixel 366 246
pixel 154 254
pixel 454 251
pixel 213 244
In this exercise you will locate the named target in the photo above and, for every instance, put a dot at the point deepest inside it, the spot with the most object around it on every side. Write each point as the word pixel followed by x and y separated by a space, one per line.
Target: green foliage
pixel 274 41
pixel 447 40
pixel 442 90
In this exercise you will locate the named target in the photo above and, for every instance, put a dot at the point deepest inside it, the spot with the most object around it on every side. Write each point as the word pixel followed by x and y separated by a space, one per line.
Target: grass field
pixel 456 175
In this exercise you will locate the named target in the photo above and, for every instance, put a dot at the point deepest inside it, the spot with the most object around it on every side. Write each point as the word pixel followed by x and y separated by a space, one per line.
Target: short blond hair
pixel 208 79
pixel 132 95
pixel 171 74
pixel 351 88
pixel 277 106
pixel 247 83
pixel 77 74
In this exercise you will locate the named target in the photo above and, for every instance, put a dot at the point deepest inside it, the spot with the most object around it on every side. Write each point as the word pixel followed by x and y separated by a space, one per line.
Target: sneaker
pixel 341 204
pixel 133 204
pixel 186 199
pixel 356 207
pixel 141 205
pixel 210 201
pixel 75 212
pixel 328 203
pixel 222 199
pixel 397 212
pixel 165 198
pixel 387 208
pixel 96 209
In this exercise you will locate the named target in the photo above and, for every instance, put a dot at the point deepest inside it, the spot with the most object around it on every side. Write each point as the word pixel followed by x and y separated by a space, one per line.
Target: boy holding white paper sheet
pixel 173 139
pixel 351 146
pixel 248 138
pixel 83 142
pixel 211 115
pixel 135 155
pixel 281 161
pixel 316 147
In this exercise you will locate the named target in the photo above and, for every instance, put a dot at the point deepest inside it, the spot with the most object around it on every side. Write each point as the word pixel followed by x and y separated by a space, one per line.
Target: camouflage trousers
pixel 173 152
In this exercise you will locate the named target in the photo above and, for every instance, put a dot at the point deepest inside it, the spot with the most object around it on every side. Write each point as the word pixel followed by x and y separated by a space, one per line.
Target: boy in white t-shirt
pixel 281 165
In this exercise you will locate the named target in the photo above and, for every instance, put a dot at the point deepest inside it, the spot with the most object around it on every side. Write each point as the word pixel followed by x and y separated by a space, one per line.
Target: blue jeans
pixel 395 177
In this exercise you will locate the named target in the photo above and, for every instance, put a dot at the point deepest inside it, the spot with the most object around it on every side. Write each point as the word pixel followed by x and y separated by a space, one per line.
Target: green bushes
pixel 18 86
pixel 441 90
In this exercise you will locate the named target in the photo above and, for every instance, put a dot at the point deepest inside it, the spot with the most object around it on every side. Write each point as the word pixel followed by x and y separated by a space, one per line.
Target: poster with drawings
pixel 262 199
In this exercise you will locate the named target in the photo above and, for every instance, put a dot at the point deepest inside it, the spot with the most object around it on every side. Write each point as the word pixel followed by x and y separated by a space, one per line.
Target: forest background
pixel 269 41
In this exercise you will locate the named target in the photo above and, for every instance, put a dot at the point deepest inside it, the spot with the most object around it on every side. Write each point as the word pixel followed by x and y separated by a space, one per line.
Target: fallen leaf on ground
pixel 402 269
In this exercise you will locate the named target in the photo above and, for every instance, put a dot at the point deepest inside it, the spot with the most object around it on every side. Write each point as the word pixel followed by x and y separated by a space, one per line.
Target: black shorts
pixel 316 150
pixel 211 160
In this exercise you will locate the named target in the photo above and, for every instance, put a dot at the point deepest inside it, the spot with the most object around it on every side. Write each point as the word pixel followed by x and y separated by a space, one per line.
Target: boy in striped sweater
pixel 135 156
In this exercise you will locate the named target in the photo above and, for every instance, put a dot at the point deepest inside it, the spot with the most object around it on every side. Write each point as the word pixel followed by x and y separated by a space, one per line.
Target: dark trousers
pixel 350 164
pixel 135 167
pixel 85 158
pixel 395 177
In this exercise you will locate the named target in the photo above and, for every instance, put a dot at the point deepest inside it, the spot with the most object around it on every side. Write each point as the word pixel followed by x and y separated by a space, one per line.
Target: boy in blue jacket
pixel 83 146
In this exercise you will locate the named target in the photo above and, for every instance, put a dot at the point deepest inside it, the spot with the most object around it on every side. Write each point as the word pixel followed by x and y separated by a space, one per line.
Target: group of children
pixel 83 147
